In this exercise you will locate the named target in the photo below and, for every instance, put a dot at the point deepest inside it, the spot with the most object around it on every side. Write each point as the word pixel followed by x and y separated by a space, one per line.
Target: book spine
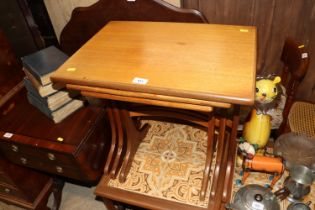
pixel 38 105
pixel 29 70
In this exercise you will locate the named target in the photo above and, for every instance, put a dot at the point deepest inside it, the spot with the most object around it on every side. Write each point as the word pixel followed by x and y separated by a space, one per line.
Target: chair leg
pixel 108 204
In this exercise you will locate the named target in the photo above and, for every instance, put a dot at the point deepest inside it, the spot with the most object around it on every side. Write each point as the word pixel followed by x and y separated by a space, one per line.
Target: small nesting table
pixel 192 72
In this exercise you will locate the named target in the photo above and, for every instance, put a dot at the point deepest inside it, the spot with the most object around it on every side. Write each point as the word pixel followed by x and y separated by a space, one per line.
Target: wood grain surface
pixel 148 96
pixel 206 62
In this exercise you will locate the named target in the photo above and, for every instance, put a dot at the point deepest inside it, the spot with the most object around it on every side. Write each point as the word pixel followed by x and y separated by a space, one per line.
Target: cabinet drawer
pixel 50 167
pixel 5 179
pixel 37 153
pixel 11 191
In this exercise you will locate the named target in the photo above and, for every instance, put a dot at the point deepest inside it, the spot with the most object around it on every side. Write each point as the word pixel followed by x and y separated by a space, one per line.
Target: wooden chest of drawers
pixel 74 148
pixel 23 186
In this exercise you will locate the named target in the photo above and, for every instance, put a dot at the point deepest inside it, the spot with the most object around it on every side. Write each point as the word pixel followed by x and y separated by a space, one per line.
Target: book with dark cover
pixel 53 101
pixel 43 90
pixel 59 114
pixel 43 62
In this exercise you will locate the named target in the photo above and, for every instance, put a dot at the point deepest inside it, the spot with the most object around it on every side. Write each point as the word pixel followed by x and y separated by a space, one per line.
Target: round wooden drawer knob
pixel 15 148
pixel 23 160
pixel 59 169
pixel 51 156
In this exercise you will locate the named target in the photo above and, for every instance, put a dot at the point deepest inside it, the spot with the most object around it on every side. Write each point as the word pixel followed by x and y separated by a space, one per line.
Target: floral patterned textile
pixel 169 164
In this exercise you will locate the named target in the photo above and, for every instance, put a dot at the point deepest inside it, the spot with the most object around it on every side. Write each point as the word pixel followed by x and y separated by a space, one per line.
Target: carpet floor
pixel 74 197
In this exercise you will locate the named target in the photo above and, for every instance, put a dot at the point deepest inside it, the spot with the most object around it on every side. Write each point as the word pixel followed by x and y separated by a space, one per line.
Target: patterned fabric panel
pixel 169 164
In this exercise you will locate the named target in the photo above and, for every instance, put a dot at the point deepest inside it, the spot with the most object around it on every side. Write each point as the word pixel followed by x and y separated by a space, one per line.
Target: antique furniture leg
pixel 120 144
pixel 220 153
pixel 108 204
pixel 231 159
pixel 209 154
pixel 216 196
pixel 57 192
pixel 111 154
pixel 133 139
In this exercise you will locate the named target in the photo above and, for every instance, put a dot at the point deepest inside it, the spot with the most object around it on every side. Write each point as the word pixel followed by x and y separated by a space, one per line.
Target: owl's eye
pixel 275 90
pixel 257 90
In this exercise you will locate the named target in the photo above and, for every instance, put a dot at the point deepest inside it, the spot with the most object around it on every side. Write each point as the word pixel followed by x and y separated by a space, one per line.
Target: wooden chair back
pixel 295 64
pixel 301 118
pixel 86 21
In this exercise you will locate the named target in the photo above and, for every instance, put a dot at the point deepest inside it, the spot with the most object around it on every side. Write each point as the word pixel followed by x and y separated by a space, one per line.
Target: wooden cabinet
pixel 24 187
pixel 74 148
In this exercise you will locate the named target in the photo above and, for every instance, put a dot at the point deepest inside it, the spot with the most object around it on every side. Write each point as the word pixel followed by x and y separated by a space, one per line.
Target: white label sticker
pixel 257 205
pixel 8 135
pixel 131 0
pixel 304 55
pixel 140 81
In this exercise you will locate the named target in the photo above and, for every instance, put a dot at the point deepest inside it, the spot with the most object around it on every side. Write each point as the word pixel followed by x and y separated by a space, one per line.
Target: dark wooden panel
pixel 235 12
pixel 81 155
pixel 23 186
pixel 10 68
pixel 191 4
pixel 275 21
pixel 86 21
pixel 42 20
pixel 35 124
pixel 14 25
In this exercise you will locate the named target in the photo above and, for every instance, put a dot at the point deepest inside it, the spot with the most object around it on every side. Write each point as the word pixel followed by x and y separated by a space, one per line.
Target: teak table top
pixel 199 61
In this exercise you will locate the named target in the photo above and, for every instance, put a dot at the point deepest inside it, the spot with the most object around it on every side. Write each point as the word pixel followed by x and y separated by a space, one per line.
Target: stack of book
pixel 51 99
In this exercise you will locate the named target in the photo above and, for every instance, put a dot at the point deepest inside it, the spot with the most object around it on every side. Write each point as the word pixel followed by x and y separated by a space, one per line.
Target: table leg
pixel 222 193
pixel 108 204
pixel 206 173
pixel 216 197
pixel 220 152
pixel 57 192
pixel 231 158
pixel 111 153
pixel 120 144
pixel 133 137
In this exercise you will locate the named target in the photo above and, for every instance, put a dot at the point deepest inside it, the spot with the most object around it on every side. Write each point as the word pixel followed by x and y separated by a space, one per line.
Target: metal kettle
pixel 254 197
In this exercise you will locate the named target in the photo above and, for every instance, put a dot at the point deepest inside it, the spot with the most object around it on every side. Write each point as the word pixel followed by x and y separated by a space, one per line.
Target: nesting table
pixel 192 72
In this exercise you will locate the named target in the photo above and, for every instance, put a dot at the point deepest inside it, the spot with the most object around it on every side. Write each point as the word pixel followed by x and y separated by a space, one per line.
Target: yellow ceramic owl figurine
pixel 257 129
